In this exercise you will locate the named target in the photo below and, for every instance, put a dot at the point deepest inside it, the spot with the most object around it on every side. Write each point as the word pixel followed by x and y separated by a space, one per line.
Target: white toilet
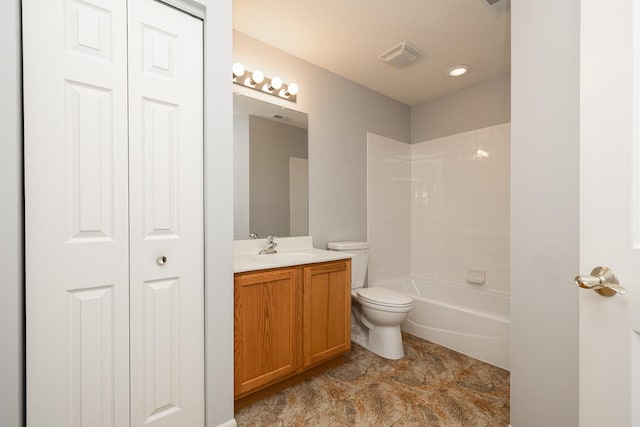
pixel 376 313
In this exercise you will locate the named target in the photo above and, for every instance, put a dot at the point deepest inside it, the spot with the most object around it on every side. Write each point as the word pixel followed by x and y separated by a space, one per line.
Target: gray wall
pixel 544 212
pixel 11 232
pixel 484 104
pixel 340 115
pixel 270 146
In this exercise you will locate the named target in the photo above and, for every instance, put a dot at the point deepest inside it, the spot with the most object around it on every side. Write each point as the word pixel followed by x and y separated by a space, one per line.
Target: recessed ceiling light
pixel 458 70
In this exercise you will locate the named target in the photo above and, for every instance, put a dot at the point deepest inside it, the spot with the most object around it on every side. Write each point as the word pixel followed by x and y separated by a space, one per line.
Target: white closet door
pixel 166 208
pixel 76 215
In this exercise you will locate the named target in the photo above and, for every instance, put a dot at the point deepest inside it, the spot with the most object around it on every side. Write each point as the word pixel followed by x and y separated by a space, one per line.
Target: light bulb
pixel 238 69
pixel 458 70
pixel 257 77
pixel 292 89
pixel 276 84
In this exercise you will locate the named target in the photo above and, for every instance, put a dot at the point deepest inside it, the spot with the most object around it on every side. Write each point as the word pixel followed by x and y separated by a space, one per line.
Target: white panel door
pixel 166 216
pixel 610 211
pixel 76 213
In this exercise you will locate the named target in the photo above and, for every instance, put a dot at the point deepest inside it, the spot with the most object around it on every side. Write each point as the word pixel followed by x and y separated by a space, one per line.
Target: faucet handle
pixel 271 246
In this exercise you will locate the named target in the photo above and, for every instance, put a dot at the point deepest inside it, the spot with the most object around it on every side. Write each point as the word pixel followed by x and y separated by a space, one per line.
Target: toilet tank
pixel 358 263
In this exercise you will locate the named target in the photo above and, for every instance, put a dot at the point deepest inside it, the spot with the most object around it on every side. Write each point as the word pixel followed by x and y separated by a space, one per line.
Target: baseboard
pixel 230 423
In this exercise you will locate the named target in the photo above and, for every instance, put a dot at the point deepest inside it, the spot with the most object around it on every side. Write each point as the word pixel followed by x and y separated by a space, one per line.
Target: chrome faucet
pixel 270 248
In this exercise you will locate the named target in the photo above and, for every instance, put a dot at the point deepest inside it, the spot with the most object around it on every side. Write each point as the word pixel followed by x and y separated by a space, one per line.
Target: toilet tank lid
pixel 348 245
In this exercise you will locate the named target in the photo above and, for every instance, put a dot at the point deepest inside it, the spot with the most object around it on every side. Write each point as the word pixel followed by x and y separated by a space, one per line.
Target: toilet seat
pixel 383 297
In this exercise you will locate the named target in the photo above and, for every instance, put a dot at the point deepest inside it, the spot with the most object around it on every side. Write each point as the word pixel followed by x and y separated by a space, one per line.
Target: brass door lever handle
pixel 602 280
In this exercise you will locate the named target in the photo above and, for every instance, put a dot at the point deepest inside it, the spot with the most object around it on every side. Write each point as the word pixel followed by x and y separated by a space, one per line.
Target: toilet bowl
pixel 376 313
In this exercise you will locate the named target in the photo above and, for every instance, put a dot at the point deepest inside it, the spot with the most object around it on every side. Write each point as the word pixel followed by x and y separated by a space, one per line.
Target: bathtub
pixel 458 317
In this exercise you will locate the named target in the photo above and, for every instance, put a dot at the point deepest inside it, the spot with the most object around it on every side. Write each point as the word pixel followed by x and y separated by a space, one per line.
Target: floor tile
pixel 430 386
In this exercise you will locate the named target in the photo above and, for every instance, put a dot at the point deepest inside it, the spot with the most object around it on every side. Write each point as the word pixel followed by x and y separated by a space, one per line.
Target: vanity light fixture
pixel 458 70
pixel 258 81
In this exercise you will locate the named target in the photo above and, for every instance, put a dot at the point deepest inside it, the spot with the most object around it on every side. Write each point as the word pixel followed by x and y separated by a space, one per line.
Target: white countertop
pixel 291 251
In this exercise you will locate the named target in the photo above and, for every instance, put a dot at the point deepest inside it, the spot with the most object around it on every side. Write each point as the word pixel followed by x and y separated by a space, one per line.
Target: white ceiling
pixel 346 37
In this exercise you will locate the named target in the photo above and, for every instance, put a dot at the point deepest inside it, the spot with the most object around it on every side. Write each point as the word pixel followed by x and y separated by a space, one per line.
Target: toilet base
pixel 385 341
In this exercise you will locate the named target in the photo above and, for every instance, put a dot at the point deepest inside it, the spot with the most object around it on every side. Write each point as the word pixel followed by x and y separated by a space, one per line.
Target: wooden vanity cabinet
pixel 326 316
pixel 266 327
pixel 289 323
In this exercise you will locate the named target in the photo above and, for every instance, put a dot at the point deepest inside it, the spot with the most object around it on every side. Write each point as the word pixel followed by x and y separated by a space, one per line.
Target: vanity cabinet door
pixel 326 311
pixel 266 329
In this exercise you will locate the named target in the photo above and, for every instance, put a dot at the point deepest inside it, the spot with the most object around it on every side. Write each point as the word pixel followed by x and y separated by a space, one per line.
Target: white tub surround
pixel 460 209
pixel 388 208
pixel 439 209
pixel 291 251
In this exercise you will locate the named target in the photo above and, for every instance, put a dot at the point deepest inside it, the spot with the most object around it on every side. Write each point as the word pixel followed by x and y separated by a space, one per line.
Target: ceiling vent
pixel 401 55
pixel 498 7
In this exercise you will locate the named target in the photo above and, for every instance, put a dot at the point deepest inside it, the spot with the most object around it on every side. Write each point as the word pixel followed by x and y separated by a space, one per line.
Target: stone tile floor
pixel 430 386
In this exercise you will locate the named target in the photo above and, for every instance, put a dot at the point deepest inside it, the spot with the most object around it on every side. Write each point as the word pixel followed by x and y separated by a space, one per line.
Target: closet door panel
pixel 160 185
pixel 166 200
pixel 76 212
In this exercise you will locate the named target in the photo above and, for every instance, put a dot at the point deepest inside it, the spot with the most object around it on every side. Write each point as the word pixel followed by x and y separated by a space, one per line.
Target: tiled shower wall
pixel 388 208
pixel 458 208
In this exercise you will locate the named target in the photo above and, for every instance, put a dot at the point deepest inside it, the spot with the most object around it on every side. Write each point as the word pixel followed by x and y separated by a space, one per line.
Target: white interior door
pixel 76 213
pixel 610 211
pixel 104 202
pixel 166 215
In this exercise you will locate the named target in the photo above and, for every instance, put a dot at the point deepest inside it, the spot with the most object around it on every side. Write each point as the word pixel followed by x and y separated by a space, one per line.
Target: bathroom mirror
pixel 271 195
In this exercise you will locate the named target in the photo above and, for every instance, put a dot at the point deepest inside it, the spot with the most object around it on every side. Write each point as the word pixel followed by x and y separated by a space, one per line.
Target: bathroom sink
pixel 282 257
